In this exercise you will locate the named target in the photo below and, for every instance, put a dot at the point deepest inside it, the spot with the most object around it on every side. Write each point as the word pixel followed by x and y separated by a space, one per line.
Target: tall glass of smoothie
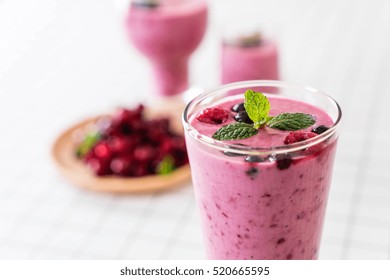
pixel 167 32
pixel 264 196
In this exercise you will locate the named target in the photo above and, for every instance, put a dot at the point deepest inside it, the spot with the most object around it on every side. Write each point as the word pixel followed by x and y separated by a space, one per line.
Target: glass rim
pixel 159 3
pixel 248 150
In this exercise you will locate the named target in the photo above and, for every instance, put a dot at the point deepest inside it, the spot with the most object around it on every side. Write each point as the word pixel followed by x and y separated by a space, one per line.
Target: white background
pixel 62 61
pixel 107 269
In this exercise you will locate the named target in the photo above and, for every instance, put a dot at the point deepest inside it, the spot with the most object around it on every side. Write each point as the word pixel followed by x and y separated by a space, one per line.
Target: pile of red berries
pixel 130 145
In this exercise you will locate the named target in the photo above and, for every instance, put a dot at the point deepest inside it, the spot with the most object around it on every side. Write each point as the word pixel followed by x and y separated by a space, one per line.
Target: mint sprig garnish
pixel 291 121
pixel 87 144
pixel 166 166
pixel 235 131
pixel 258 107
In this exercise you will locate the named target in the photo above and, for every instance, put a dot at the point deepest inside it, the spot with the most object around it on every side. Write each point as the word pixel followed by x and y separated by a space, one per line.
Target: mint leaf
pixel 166 166
pixel 257 106
pixel 87 144
pixel 235 131
pixel 291 121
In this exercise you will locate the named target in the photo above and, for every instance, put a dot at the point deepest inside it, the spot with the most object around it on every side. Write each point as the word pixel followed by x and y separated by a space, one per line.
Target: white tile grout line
pixel 56 226
pixel 94 229
pixel 347 87
pixel 37 199
pixel 363 160
pixel 178 229
pixel 338 10
pixel 134 233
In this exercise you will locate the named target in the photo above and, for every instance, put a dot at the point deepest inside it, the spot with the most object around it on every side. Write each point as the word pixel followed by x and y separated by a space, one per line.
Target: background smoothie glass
pixel 248 56
pixel 259 199
pixel 167 32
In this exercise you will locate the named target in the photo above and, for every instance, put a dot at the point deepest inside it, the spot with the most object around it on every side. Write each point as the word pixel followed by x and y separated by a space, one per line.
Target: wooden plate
pixel 79 175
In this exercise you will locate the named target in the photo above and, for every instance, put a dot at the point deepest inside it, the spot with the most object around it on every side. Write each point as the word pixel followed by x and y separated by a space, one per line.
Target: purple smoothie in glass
pixel 260 198
pixel 167 32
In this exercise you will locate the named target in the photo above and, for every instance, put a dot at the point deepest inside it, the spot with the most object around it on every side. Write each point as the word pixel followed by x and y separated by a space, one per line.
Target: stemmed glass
pixel 167 32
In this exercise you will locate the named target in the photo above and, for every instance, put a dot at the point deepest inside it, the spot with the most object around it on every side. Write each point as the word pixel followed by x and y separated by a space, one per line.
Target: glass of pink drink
pixel 258 197
pixel 249 57
pixel 167 32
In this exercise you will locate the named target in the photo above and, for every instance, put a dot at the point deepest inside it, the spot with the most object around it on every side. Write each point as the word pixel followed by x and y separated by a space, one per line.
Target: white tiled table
pixel 61 61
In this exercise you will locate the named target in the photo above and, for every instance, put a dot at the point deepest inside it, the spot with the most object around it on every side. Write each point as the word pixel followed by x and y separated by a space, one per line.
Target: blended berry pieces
pixel 298 136
pixel 280 241
pixel 283 161
pixel 213 115
pixel 133 146
pixel 252 172
pixel 320 129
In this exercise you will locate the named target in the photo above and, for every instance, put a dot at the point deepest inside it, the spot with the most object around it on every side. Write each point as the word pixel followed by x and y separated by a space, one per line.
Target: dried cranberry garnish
pixel 99 166
pixel 121 144
pixel 144 153
pixel 121 165
pixel 102 151
pixel 132 146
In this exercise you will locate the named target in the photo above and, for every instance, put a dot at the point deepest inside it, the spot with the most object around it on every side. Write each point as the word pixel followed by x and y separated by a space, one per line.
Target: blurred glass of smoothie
pixel 167 32
pixel 248 57
pixel 262 197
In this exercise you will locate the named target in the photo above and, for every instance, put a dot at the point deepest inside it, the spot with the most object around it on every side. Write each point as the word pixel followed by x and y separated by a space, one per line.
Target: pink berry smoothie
pixel 249 58
pixel 167 32
pixel 262 206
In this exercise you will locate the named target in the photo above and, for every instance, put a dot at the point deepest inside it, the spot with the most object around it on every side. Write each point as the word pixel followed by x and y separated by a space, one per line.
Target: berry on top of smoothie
pixel 298 136
pixel 238 107
pixel 242 116
pixel 253 115
pixel 213 115
pixel 320 129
